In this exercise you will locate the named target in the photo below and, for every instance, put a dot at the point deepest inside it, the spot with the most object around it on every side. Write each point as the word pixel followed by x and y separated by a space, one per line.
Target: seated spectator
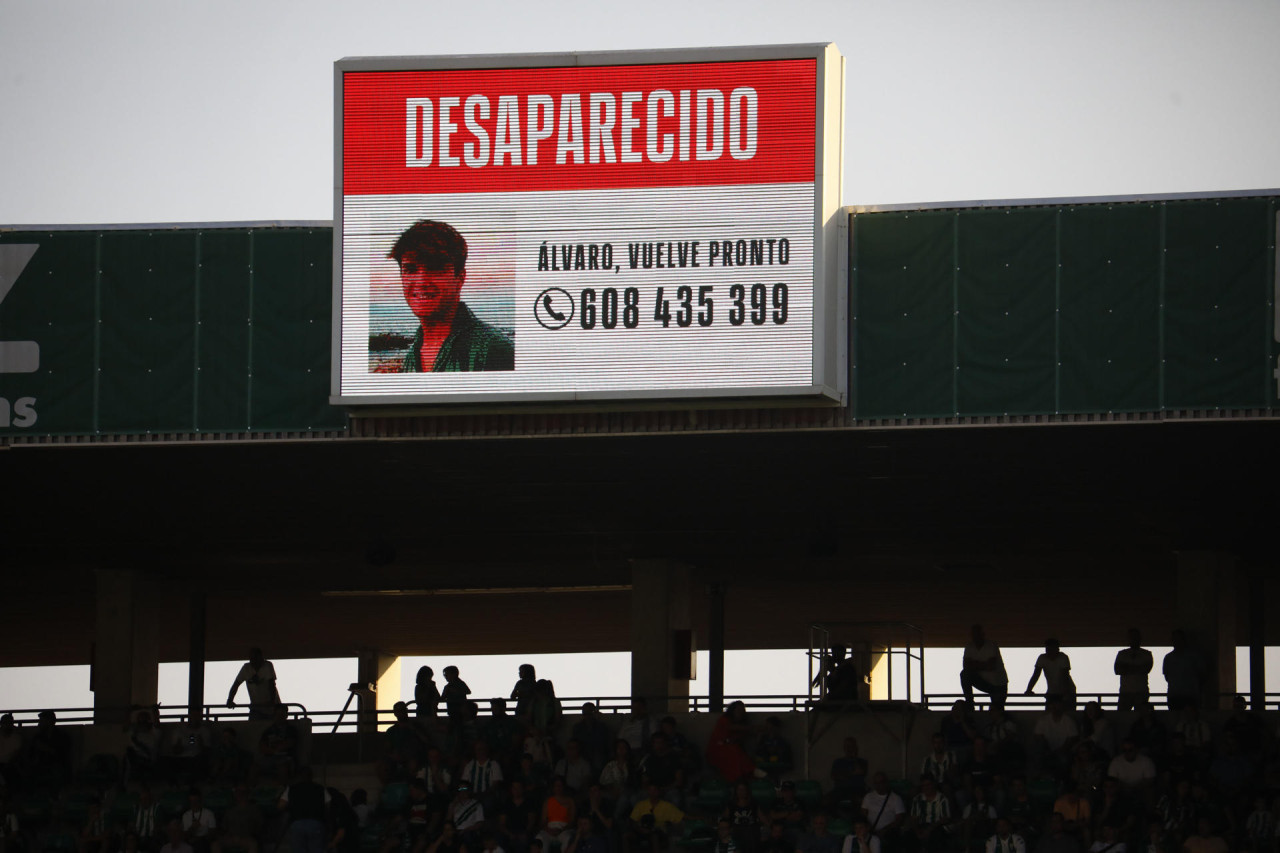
pixel 745 818
pixel 1249 728
pixel 1260 827
pixel 817 839
pixel 651 823
pixel 574 769
pixel 725 750
pixel 1158 841
pixel 1178 762
pixel 1087 770
pixel 535 778
pixel 189 751
pixel 228 763
pixel 1195 732
pixel 620 779
pixel 1109 841
pixel 417 824
pixel 346 826
pixel 1135 771
pixel 438 783
pixel 406 742
pixel 587 838
pixel 1056 667
pixel 241 824
pixel 360 805
pixel 518 818
pixel 1055 735
pixel 1205 840
pixel 862 839
pixel 1058 839
pixel 848 775
pixel 772 753
pixel 146 823
pixel 1097 728
pixel 594 735
pixel 198 822
pixel 1073 807
pixel 1005 839
pixel 1177 810
pixel 724 841
pixel 1114 810
pixel 503 733
pixel 977 819
pixel 940 763
pixel 426 696
pixel 93 835
pixel 639 727
pixel 177 842
pixel 776 841
pixel 465 814
pixel 450 841
pixel 981 770
pixel 1231 771
pixel 958 730
pixel 481 775
pixel 884 810
pixel 1022 811
pixel 559 816
pixel 598 810
pixel 661 767
pixel 142 753
pixel 1149 733
pixel 277 745
pixel 1005 740
pixel 789 811
pixel 689 755
pixel 930 819
pixel 540 747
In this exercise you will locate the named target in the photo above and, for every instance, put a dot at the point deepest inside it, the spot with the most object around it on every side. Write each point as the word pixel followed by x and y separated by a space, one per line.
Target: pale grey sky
pixel 153 110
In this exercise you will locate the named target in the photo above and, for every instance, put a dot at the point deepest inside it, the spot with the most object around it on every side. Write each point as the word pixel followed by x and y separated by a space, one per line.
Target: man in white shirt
pixel 983 668
pixel 884 810
pixel 1005 840
pixel 198 822
pixel 1133 665
pixel 259 678
pixel 1134 771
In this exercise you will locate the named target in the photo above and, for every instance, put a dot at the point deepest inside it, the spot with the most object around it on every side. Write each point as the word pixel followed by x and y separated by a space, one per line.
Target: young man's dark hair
pixel 435 245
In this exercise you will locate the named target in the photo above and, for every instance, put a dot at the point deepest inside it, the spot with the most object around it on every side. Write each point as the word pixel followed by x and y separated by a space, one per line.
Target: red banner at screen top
pixel 529 129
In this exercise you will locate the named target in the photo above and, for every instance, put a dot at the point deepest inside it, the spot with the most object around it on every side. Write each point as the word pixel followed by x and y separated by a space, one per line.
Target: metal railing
pixel 609 705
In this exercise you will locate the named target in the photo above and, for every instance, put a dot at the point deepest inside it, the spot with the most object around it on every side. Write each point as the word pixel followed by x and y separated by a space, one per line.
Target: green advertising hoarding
pixel 165 330
pixel 1065 309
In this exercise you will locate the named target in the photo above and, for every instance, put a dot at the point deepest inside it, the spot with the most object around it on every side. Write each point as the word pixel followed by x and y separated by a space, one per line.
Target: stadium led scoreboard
pixel 654 225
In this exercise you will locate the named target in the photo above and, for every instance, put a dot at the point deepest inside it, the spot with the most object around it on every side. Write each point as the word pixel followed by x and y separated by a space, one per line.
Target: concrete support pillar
pixel 715 647
pixel 195 656
pixel 659 608
pixel 383 671
pixel 125 659
pixel 1207 611
pixel 1257 639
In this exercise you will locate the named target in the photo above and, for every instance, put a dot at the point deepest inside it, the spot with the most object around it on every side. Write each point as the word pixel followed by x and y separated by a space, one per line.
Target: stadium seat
pixel 712 796
pixel 697 835
pixel 1043 792
pixel 35 810
pixel 75 807
pixel 394 798
pixel 172 803
pixel 809 792
pixel 219 799
pixel 839 827
pixel 122 807
pixel 762 792
pixel 100 771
